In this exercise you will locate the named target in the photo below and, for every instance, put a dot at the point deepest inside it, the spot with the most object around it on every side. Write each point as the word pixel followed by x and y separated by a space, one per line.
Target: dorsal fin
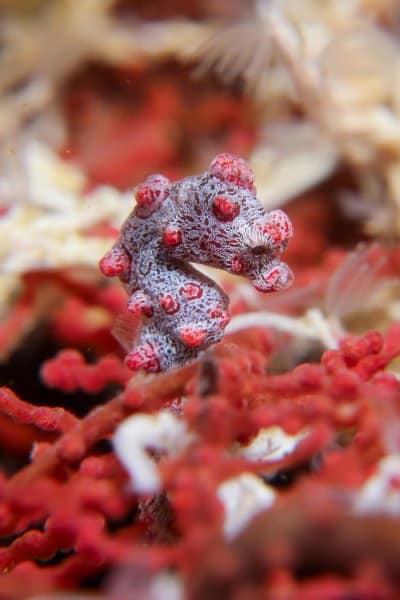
pixel 125 328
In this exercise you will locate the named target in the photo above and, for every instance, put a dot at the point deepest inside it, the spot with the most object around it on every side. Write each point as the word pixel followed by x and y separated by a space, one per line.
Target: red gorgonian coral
pixel 213 219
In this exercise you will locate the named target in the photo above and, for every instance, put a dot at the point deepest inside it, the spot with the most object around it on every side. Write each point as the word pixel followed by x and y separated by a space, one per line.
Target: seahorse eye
pixel 258 250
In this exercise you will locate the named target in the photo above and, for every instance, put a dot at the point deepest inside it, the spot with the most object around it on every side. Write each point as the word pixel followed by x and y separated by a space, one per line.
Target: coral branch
pixel 69 372
pixel 48 419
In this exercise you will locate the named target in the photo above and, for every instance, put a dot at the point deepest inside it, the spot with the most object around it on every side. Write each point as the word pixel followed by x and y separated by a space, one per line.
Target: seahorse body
pixel 212 219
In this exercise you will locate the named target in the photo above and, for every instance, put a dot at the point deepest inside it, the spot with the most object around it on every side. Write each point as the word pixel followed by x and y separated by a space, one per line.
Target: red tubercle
pixel 191 291
pixel 192 336
pixel 272 276
pixel 217 312
pixel 144 357
pixel 224 209
pixel 274 280
pixel 172 236
pixel 170 304
pixel 115 262
pixel 139 304
pixel 277 226
pixel 152 192
pixel 143 195
pixel 233 169
pixel 273 231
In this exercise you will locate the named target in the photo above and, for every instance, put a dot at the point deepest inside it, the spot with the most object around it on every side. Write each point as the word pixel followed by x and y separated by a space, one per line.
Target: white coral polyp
pixel 271 444
pixel 243 498
pixel 161 432
pixel 381 492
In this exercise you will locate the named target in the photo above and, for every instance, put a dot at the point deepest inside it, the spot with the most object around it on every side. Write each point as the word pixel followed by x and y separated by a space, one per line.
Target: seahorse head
pixel 225 225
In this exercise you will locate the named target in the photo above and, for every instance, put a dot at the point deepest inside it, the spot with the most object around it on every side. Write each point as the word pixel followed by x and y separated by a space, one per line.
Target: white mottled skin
pixel 158 269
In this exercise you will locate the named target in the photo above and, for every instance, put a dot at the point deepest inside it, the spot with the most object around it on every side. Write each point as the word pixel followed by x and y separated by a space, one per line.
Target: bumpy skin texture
pixel 213 219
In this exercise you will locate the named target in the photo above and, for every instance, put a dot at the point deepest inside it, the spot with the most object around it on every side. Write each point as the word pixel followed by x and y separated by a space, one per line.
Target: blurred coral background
pixel 270 467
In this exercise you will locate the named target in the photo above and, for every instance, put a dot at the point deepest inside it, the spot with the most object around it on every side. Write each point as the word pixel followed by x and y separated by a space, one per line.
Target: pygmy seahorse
pixel 212 219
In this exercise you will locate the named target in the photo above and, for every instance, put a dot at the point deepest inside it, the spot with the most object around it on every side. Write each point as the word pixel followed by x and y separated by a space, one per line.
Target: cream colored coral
pixel 291 157
pixel 45 225
pixel 41 51
pixel 50 229
pixel 343 70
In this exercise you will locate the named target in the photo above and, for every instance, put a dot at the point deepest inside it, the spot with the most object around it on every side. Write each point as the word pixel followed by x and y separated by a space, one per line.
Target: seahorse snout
pixel 273 279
